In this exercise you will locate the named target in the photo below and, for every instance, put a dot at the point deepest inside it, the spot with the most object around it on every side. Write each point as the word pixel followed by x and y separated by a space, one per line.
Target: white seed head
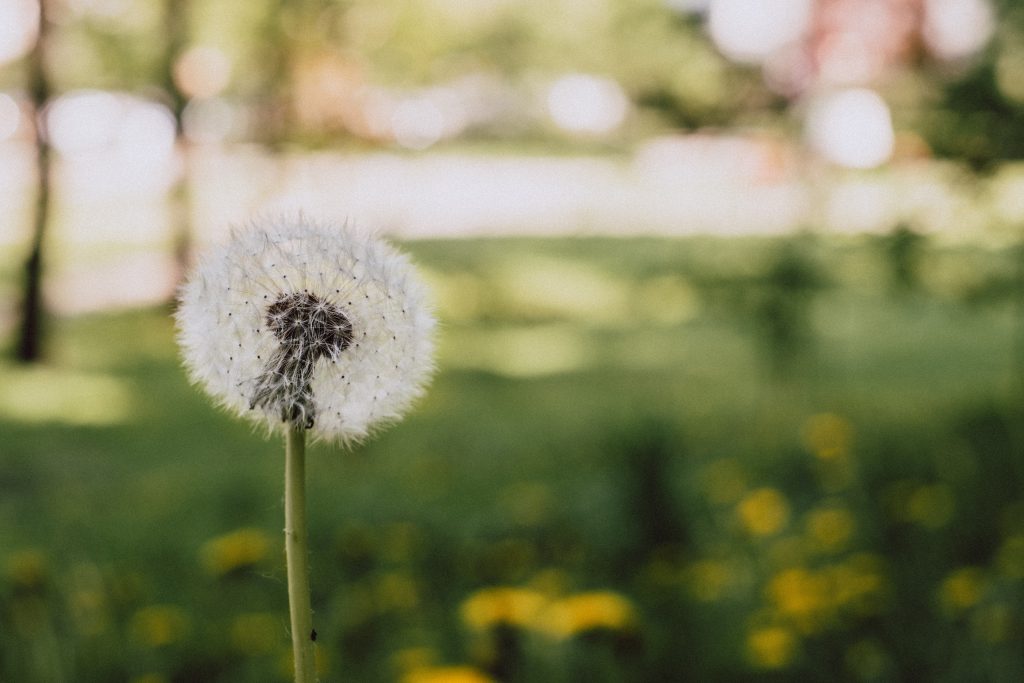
pixel 294 322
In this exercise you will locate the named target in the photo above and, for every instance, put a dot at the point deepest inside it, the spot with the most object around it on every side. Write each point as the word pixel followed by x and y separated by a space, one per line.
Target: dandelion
pixel 307 329
pixel 297 324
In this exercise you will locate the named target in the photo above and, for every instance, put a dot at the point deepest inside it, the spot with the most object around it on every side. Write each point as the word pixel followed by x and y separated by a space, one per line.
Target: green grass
pixel 609 415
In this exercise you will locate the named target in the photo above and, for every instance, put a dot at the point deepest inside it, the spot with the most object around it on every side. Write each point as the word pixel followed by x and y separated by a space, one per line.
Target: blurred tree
pixel 678 74
pixel 784 312
pixel 902 248
pixel 175 17
pixel 295 37
pixel 975 122
pixel 274 109
pixel 978 116
pixel 111 46
pixel 31 332
pixel 651 450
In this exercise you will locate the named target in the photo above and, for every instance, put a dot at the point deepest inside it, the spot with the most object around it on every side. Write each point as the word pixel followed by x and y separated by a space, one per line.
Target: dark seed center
pixel 306 324
pixel 308 328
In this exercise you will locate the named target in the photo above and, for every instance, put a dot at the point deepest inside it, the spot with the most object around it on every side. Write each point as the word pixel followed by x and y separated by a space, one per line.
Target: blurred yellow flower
pixel 772 647
pixel 502 606
pixel 159 625
pixel 237 550
pixel 763 512
pixel 256 633
pixel 447 674
pixel 802 597
pixel 830 528
pixel 586 612
pixel 27 569
pixel 962 589
pixel 828 436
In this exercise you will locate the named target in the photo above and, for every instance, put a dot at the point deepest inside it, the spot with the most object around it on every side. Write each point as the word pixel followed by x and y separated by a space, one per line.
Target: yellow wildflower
pixel 763 512
pixel 27 569
pixel 502 606
pixel 237 550
pixel 447 674
pixel 962 589
pixel 772 647
pixel 802 596
pixel 586 612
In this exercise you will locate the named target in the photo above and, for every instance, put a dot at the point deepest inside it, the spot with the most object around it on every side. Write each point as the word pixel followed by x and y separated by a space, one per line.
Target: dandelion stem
pixel 297 554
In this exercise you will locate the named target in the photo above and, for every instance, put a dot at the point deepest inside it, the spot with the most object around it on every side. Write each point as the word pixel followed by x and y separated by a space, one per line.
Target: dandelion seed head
pixel 295 322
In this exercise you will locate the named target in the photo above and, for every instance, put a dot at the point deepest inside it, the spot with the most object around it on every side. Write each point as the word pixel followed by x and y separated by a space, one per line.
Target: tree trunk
pixel 180 204
pixel 30 339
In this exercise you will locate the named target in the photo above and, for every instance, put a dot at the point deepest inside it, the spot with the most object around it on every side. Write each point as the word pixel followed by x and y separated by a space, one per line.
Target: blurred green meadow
pixel 641 460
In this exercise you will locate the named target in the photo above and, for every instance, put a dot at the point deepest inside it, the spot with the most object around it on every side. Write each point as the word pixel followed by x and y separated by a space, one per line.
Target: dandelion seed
pixel 291 355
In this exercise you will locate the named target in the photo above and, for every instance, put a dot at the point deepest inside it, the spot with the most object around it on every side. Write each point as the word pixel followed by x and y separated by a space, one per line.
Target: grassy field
pixel 641 460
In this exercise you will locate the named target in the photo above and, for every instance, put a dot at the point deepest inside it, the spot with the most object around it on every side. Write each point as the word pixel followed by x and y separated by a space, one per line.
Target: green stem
pixel 297 553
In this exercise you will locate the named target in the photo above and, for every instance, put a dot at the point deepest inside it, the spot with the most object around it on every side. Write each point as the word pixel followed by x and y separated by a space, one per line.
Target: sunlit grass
pixel 43 394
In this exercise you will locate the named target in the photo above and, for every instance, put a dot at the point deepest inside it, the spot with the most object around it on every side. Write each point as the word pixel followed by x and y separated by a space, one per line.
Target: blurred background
pixel 730 358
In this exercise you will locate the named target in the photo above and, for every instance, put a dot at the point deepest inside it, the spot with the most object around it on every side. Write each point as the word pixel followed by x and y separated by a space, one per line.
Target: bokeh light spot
pixel 751 31
pixel 10 117
pixel 417 123
pixel 954 29
pixel 587 104
pixel 19 25
pixel 852 128
pixel 202 71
